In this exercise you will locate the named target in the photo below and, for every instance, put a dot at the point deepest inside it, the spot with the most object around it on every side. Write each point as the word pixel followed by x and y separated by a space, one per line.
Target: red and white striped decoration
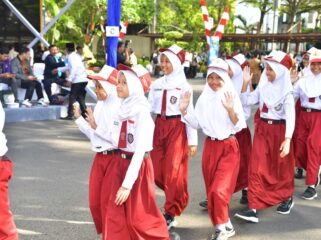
pixel 123 30
pixel 206 22
pixel 223 22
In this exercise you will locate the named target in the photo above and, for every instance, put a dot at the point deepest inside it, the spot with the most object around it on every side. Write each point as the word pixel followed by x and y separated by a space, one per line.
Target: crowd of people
pixel 133 152
pixel 131 143
pixel 68 71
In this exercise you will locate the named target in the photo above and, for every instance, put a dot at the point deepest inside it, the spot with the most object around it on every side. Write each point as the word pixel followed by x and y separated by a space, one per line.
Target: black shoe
pixel 286 206
pixel 203 204
pixel 170 221
pixel 219 235
pixel 309 193
pixel 298 173
pixel 243 199
pixel 230 232
pixel 248 215
pixel 67 118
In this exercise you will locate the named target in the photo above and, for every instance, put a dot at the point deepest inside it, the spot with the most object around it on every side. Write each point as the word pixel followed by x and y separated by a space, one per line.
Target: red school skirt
pixel 139 218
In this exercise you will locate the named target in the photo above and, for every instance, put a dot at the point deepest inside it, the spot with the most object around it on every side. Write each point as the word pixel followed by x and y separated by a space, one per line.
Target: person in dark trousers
pixel 52 73
pixel 78 77
pixel 6 75
pixel 25 78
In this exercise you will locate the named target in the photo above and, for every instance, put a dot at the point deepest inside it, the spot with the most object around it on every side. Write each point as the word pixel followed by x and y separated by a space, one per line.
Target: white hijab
pixel 105 109
pixel 176 78
pixel 311 84
pixel 209 104
pixel 237 78
pixel 136 101
pixel 275 91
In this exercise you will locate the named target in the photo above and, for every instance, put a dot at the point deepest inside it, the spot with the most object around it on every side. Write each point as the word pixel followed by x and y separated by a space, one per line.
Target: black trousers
pixel 30 86
pixel 47 84
pixel 77 93
pixel 12 83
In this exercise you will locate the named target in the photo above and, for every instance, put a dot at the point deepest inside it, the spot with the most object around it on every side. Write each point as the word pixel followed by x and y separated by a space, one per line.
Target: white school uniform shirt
pixel 309 86
pixel 76 68
pixel 176 85
pixel 103 114
pixel 211 116
pixel 237 81
pixel 276 95
pixel 3 139
pixel 140 127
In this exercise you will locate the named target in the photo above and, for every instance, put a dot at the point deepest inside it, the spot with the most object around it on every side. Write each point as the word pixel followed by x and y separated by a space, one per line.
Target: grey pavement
pixel 49 191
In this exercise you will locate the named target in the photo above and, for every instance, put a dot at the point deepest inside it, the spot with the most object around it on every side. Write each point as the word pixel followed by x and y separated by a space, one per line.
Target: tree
pixel 263 5
pixel 247 28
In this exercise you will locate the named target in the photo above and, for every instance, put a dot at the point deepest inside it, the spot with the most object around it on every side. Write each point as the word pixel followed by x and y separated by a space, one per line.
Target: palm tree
pixel 247 28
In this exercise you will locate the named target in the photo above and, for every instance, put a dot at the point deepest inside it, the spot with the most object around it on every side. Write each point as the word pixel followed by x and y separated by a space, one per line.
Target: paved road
pixel 49 192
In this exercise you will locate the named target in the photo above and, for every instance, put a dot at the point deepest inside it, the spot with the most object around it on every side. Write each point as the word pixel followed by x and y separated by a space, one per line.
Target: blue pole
pixel 113 19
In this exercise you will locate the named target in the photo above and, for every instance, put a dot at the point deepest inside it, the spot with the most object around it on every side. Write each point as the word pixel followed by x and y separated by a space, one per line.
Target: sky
pixel 251 14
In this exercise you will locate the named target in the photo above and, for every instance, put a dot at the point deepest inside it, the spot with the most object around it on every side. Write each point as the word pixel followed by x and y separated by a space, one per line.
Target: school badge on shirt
pixel 173 100
pixel 130 138
pixel 278 107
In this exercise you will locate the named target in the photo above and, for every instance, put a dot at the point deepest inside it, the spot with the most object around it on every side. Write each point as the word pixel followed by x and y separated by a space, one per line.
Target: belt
pixel 310 109
pixel 169 117
pixel 109 152
pixel 129 155
pixel 216 139
pixel 5 158
pixel 272 121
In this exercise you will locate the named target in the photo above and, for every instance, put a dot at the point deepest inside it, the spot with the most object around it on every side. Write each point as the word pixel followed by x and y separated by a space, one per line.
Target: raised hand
pixel 76 110
pixel 247 75
pixel 294 75
pixel 229 101
pixel 90 118
pixel 184 101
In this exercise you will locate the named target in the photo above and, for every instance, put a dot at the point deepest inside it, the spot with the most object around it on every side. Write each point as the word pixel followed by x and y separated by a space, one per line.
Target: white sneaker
pixel 42 102
pixel 26 103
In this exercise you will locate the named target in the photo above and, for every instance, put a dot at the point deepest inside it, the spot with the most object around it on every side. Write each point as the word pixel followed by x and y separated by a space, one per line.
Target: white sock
pixel 246 188
pixel 221 227
pixel 254 210
pixel 312 186
pixel 229 224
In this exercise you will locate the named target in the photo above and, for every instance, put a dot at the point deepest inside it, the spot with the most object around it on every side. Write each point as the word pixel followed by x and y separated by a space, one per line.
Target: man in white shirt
pixel 78 77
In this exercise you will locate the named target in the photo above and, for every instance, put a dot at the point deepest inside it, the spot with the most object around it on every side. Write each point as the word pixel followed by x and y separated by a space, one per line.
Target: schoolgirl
pixel 308 141
pixel 236 65
pixel 219 113
pixel 271 175
pixel 8 230
pixel 132 212
pixel 173 140
pixel 95 127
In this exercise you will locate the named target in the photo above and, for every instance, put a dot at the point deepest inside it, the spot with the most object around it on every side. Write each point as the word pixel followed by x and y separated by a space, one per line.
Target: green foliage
pixel 173 35
pixel 174 18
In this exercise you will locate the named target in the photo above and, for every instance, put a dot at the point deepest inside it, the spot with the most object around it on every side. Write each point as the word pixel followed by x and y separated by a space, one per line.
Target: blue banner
pixel 214 49
pixel 113 19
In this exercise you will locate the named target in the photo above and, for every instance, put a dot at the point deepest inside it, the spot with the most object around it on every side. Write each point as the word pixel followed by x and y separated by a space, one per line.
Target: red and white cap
pixel 218 63
pixel 280 57
pixel 240 59
pixel 107 73
pixel 315 56
pixel 178 51
pixel 141 72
